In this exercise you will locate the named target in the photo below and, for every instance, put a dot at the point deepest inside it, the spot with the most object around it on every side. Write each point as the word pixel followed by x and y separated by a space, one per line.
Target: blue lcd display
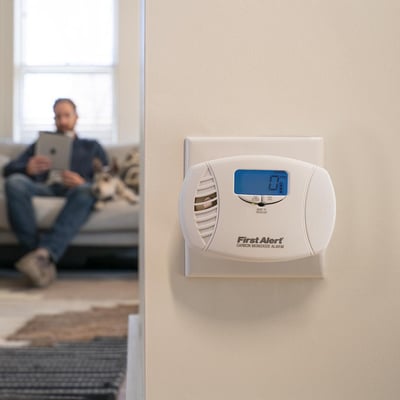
pixel 261 182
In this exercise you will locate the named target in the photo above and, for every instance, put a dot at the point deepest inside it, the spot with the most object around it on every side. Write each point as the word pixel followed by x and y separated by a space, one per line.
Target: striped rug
pixel 91 370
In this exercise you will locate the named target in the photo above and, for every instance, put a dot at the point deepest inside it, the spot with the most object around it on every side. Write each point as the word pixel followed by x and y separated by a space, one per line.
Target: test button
pixel 271 199
pixel 250 198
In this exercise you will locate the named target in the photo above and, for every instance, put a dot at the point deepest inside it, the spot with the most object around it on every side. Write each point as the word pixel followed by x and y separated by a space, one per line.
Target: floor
pixel 73 291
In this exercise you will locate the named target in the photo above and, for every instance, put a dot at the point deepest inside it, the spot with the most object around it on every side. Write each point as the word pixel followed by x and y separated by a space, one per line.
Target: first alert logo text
pixel 263 241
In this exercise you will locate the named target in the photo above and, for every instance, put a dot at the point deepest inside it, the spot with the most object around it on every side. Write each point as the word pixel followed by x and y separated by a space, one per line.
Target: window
pixel 65 48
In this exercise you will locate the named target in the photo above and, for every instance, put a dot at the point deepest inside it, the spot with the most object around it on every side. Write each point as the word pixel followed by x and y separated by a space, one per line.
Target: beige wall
pixel 242 68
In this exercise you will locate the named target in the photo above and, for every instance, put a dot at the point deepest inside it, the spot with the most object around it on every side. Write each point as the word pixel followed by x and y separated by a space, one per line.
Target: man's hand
pixel 37 165
pixel 72 179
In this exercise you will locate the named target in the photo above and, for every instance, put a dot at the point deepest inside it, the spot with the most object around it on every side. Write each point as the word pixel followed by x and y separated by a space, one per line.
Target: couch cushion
pixel 117 215
pixel 3 160
pixel 10 149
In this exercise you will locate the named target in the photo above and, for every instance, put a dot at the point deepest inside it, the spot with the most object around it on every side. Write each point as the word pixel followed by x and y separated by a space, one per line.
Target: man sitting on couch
pixel 30 175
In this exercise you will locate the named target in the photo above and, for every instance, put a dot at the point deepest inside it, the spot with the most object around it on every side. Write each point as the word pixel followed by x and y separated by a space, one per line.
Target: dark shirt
pixel 84 151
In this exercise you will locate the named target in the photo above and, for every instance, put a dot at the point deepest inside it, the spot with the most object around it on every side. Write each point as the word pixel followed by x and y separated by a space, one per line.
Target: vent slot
pixel 207 197
pixel 206 206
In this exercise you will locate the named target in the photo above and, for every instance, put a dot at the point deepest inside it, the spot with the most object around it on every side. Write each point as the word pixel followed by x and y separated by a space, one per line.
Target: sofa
pixel 113 228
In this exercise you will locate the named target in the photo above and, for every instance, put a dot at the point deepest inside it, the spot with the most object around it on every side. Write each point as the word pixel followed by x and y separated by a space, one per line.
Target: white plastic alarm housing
pixel 257 208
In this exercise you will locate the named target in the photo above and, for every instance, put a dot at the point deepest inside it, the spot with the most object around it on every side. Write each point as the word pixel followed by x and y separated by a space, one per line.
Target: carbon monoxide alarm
pixel 257 208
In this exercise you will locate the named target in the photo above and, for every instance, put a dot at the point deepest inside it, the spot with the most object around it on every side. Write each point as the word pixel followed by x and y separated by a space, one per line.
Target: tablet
pixel 57 147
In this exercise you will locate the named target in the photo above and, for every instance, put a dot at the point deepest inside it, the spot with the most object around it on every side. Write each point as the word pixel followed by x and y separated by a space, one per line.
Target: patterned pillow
pixel 129 169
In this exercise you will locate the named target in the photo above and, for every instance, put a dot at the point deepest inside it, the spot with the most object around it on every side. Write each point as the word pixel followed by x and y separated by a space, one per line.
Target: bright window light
pixel 66 49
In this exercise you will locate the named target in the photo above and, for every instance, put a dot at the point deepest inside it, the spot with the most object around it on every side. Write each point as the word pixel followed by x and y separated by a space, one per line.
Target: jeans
pixel 21 215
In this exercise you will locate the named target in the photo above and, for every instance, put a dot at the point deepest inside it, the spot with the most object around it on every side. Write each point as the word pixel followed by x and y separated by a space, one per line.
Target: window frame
pixel 23 133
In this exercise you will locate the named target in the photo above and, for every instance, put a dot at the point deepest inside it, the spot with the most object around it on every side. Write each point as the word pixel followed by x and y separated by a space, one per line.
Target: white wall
pixel 242 68
pixel 127 77
pixel 6 68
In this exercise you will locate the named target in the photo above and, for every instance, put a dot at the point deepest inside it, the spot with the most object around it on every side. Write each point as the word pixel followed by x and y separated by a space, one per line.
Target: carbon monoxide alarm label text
pixel 263 241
